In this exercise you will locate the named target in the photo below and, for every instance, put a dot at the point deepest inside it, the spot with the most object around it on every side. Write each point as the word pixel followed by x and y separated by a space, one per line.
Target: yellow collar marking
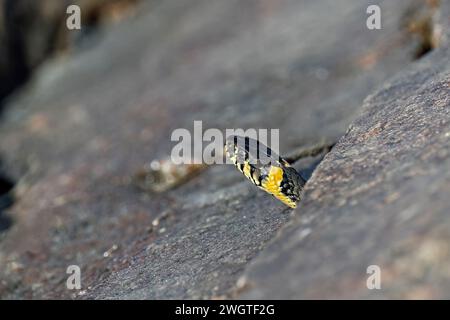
pixel 272 185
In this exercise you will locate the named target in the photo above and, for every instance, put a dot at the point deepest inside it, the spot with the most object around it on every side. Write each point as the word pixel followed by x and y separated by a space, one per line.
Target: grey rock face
pixel 82 127
pixel 379 198
pixel 31 31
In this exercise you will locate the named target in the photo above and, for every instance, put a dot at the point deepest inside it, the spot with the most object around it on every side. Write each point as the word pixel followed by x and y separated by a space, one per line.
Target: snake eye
pixel 265 169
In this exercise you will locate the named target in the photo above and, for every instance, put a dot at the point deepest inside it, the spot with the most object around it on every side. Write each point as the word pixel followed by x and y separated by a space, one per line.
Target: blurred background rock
pixel 32 31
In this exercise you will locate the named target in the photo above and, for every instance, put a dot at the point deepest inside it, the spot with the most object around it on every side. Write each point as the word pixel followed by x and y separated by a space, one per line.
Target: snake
pixel 258 163
pixel 275 175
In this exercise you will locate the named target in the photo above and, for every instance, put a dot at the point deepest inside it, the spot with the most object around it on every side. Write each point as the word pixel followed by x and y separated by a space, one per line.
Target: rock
pixel 379 198
pixel 84 125
pixel 31 31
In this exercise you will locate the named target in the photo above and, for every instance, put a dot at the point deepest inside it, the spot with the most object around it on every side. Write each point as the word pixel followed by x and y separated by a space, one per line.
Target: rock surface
pixel 379 198
pixel 72 138
pixel 31 31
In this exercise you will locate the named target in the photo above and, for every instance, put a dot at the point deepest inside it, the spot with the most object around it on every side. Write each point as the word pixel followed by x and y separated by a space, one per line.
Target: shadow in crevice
pixel 6 201
pixel 307 171
pixel 418 23
pixel 306 160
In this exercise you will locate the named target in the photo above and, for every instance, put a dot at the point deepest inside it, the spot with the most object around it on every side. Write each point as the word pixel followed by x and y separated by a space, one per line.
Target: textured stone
pixel 379 198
